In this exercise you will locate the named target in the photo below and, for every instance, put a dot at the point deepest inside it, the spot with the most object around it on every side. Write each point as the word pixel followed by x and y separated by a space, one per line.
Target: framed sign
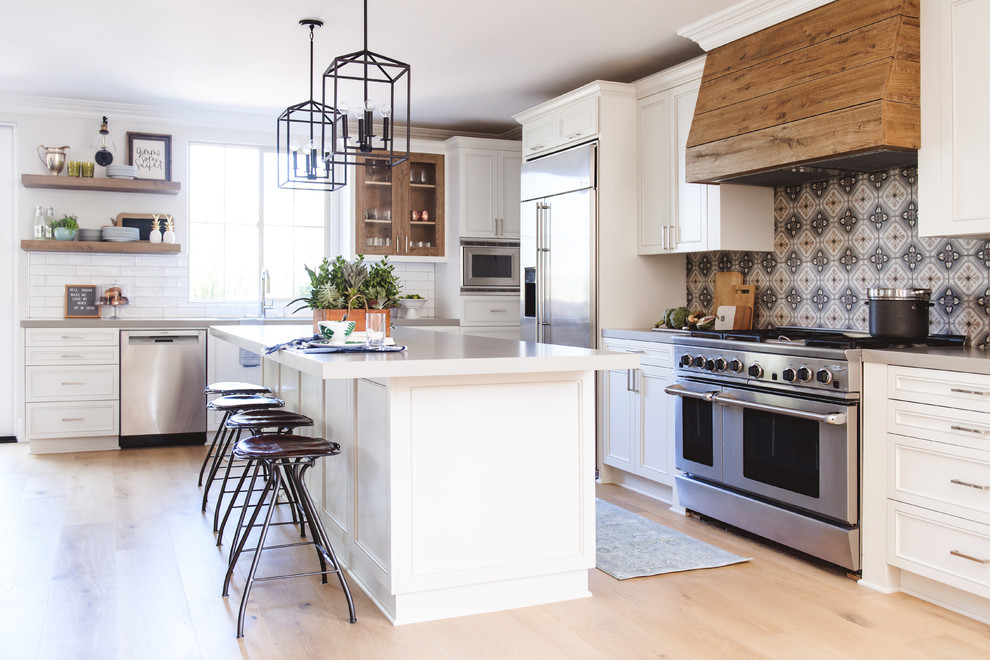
pixel 151 154
pixel 80 302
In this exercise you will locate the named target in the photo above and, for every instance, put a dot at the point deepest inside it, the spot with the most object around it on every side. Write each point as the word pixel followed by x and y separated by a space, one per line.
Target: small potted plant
pixel 65 228
pixel 347 290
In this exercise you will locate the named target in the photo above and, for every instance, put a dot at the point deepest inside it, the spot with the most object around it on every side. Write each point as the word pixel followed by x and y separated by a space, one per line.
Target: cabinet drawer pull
pixel 70 356
pixel 956 427
pixel 956 553
pixel 73 419
pixel 958 390
pixel 967 484
pixel 536 148
pixel 574 135
pixel 72 337
pixel 502 311
pixel 73 383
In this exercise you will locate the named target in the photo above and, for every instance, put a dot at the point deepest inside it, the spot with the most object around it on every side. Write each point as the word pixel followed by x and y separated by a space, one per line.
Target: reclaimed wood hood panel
pixel 834 88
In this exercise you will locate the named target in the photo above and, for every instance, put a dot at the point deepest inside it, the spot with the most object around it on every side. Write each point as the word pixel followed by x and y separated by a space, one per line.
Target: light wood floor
pixel 106 555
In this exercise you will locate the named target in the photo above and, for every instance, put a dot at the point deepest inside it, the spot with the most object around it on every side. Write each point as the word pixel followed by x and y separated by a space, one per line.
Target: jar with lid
pixel 39 225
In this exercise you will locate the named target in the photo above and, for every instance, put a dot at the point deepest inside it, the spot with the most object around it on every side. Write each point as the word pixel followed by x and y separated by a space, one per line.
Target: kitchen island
pixel 466 478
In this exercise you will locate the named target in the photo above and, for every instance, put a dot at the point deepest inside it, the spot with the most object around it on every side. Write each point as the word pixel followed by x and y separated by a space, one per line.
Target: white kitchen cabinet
pixel 560 127
pixel 72 381
pixel 638 426
pixel 955 136
pixel 227 363
pixel 927 524
pixel 486 175
pixel 674 216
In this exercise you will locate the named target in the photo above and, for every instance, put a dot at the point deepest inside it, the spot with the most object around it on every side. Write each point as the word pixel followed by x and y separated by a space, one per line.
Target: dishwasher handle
pixel 159 339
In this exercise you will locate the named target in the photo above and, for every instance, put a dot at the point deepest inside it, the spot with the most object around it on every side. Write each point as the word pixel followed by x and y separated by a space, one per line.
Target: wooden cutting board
pixel 731 292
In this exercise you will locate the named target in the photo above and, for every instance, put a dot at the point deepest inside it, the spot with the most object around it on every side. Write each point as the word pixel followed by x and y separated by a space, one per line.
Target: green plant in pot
pixel 347 290
pixel 64 229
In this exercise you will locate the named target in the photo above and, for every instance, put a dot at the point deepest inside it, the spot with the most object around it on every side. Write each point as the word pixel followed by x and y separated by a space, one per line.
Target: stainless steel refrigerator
pixel 558 256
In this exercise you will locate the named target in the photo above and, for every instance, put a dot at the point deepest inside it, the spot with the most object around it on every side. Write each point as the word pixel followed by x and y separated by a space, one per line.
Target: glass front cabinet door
pixel 399 210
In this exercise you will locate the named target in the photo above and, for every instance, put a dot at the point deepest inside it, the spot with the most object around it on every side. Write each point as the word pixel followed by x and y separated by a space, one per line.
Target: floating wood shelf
pixel 100 184
pixel 135 247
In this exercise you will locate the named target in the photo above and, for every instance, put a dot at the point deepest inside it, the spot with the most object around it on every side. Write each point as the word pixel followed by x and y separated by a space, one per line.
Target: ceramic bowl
pixel 336 332
pixel 64 234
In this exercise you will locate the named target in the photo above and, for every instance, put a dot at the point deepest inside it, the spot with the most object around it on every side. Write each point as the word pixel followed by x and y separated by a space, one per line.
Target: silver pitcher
pixel 52 157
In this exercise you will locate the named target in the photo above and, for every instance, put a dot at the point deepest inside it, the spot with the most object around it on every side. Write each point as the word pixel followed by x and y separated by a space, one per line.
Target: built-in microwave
pixel 489 266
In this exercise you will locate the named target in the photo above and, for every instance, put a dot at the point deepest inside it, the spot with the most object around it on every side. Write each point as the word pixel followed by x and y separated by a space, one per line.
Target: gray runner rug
pixel 631 546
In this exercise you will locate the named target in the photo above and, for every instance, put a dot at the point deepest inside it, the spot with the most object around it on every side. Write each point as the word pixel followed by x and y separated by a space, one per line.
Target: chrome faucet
pixel 266 288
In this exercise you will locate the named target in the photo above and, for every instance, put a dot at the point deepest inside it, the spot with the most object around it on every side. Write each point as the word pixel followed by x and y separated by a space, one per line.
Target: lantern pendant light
pixel 375 88
pixel 305 133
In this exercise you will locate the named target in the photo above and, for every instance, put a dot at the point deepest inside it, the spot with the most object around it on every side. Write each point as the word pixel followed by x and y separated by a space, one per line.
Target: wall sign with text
pixel 151 154
pixel 80 302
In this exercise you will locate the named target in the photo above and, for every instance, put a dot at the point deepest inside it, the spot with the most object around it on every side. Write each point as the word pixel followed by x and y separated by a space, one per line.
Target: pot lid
pixel 898 294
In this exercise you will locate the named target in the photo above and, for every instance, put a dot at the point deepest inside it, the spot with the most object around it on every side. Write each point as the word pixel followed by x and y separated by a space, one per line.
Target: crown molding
pixel 261 121
pixel 743 19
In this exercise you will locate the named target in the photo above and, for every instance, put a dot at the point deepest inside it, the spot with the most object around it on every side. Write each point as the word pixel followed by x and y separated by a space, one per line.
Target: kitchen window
pixel 240 223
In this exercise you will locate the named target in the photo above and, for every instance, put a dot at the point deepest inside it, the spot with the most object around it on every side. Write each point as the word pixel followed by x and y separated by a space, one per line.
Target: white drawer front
pixel 71 383
pixel 657 354
pixel 941 388
pixel 71 337
pixel 955 480
pixel 577 121
pixel 958 427
pixel 53 355
pixel 66 420
pixel 944 548
pixel 490 310
pixel 538 135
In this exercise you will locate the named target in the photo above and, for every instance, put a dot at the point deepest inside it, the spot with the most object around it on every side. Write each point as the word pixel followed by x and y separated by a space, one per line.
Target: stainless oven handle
pixel 678 390
pixel 834 418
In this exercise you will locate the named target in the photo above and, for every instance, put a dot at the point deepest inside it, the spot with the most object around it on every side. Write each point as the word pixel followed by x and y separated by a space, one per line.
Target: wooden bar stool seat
pixel 224 388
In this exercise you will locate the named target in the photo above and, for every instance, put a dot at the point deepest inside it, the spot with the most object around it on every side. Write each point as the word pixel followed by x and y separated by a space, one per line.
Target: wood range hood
pixel 832 91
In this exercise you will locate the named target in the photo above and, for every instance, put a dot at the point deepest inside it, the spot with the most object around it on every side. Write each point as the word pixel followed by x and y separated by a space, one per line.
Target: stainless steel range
pixel 768 426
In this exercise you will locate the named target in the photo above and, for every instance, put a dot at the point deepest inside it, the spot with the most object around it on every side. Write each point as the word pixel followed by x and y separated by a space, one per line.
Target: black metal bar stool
pixel 286 458
pixel 256 422
pixel 225 388
pixel 231 405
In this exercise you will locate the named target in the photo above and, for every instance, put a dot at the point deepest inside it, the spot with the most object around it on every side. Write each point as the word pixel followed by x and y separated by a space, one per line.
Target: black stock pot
pixel 899 313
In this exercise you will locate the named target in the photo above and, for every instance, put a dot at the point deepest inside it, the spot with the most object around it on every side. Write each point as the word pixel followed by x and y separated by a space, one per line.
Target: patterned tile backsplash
pixel 835 239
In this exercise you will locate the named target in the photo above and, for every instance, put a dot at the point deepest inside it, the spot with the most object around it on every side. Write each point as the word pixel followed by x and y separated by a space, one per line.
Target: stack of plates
pixel 90 235
pixel 121 171
pixel 121 234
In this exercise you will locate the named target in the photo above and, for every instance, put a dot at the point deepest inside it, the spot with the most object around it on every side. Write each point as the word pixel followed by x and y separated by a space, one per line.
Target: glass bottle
pixel 39 225
pixel 49 219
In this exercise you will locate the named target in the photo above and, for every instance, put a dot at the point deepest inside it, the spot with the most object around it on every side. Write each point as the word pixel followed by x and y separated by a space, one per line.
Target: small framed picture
pixel 151 154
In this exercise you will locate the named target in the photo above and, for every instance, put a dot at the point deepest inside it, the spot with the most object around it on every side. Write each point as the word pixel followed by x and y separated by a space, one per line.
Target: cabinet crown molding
pixel 672 77
pixel 744 18
pixel 592 89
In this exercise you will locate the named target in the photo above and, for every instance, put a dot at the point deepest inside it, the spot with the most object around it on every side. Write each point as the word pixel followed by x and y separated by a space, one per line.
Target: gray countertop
pixel 967 358
pixel 661 335
pixel 166 324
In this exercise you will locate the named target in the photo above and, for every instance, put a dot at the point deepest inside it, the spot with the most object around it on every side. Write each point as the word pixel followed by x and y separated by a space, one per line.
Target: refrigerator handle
pixel 543 273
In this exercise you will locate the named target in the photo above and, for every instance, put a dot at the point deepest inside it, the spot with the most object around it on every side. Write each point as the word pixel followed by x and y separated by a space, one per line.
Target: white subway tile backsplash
pixel 113 260
pixel 99 271
pixel 43 269
pixel 68 259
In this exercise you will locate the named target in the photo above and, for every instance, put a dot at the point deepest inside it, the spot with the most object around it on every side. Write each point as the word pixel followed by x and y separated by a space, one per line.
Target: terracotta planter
pixel 356 315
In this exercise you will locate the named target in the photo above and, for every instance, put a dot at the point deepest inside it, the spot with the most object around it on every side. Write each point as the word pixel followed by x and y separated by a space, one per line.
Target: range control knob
pixel 788 375
pixel 804 374
pixel 755 371
pixel 686 360
pixel 736 365
pixel 824 376
pixel 721 364
pixel 710 365
pixel 699 361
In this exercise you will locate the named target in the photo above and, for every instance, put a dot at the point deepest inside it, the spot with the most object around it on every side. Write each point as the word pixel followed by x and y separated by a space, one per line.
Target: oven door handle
pixel 678 390
pixel 834 418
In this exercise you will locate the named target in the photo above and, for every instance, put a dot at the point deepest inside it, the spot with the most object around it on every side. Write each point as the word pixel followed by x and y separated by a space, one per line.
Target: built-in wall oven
pixel 768 441
pixel 489 266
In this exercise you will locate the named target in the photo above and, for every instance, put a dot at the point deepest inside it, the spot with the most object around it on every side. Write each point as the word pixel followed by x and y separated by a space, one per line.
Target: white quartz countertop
pixel 429 353
pixel 662 335
pixel 166 324
pixel 968 359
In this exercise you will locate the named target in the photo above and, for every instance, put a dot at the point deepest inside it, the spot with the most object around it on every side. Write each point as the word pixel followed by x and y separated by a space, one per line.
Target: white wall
pixel 8 274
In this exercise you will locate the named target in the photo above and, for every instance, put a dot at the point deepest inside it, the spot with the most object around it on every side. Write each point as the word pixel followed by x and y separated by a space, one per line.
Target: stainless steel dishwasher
pixel 162 378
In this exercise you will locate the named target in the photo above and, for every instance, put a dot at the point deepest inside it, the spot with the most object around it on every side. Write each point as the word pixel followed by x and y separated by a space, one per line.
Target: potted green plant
pixel 347 290
pixel 65 228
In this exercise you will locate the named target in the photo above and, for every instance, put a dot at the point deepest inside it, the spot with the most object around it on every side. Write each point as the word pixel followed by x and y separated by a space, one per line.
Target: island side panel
pixel 493 502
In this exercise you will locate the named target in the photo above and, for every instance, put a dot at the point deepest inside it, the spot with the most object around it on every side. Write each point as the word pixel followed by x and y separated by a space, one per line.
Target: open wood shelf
pixel 135 247
pixel 100 184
